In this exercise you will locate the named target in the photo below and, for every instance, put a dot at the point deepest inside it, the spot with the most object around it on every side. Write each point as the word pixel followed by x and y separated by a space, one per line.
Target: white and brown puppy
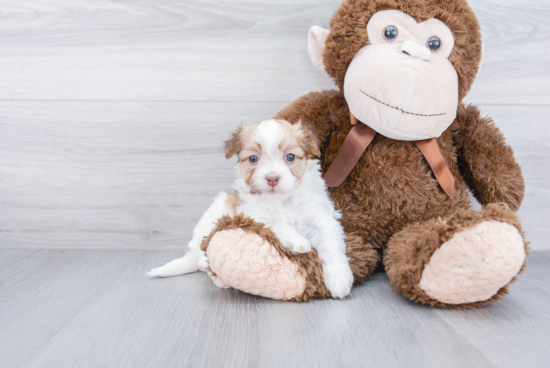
pixel 279 184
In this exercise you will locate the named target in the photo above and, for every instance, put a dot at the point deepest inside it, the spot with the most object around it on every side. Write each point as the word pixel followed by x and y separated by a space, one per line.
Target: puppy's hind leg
pixel 180 266
pixel 190 262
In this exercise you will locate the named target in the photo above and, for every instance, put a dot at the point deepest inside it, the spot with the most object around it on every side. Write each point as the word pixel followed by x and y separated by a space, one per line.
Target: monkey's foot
pixel 474 264
pixel 248 262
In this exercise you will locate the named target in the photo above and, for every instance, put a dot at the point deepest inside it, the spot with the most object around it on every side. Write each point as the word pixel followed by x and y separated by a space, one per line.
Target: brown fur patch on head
pixel 239 139
pixel 348 34
pixel 299 141
pixel 299 136
pixel 248 146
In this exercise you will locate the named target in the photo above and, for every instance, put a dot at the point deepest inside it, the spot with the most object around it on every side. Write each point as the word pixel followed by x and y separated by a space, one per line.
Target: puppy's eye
pixel 290 157
pixel 433 43
pixel 253 159
pixel 390 33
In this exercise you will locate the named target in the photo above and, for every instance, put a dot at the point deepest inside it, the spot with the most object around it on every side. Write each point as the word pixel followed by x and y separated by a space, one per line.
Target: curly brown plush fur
pixel 392 187
pixel 391 203
pixel 410 250
pixel 490 182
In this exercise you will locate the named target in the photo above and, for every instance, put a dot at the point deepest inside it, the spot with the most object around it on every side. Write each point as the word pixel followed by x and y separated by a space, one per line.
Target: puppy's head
pixel 272 155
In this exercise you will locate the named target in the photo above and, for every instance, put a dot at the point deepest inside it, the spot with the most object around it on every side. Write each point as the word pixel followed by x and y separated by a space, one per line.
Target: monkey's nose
pixel 415 50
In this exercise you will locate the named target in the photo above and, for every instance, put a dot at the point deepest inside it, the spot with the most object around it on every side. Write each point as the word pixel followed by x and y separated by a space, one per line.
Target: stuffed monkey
pixel 399 151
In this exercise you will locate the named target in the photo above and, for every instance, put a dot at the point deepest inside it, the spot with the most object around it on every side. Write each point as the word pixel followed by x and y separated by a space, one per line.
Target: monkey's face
pixel 402 85
pixel 400 75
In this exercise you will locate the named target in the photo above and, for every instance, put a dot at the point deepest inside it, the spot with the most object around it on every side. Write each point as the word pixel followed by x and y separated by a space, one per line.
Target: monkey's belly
pixel 393 186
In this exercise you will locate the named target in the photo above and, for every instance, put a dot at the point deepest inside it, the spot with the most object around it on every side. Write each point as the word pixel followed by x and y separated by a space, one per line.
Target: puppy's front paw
pixel 338 280
pixel 297 244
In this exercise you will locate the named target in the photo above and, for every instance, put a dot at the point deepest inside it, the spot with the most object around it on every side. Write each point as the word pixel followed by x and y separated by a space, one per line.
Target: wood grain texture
pixel 78 308
pixel 51 287
pixel 138 174
pixel 226 50
pixel 113 174
pixel 123 175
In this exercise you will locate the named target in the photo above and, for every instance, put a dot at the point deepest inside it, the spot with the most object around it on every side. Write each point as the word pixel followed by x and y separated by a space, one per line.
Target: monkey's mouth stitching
pixel 397 108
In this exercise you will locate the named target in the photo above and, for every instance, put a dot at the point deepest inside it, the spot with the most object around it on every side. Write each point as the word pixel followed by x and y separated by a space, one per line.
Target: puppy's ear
pixel 233 145
pixel 309 141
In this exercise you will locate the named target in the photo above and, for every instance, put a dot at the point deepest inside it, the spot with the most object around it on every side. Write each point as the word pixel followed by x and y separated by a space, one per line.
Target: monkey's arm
pixel 485 160
pixel 320 111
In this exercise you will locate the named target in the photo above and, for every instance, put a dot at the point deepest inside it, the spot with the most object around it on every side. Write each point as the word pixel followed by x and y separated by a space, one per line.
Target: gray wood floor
pixel 94 308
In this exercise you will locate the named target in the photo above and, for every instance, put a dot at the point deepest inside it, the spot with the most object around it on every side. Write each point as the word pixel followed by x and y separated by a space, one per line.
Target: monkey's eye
pixel 253 159
pixel 434 43
pixel 390 33
pixel 290 157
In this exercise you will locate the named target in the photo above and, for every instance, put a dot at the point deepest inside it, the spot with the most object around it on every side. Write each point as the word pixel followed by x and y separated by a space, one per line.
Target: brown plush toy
pixel 399 151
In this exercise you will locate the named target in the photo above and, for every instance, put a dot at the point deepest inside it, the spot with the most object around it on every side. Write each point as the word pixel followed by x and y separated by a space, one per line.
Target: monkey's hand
pixel 485 160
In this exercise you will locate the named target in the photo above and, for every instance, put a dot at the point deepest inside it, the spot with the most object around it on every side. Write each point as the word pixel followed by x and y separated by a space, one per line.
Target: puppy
pixel 279 184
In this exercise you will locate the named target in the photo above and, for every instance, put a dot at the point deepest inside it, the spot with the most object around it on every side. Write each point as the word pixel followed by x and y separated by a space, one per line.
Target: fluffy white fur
pixel 297 209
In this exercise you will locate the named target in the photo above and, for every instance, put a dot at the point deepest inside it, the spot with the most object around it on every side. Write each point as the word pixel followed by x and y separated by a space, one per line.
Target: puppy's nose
pixel 272 180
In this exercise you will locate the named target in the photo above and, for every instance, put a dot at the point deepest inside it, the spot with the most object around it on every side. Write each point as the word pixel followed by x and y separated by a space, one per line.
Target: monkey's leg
pixel 462 261
pixel 245 255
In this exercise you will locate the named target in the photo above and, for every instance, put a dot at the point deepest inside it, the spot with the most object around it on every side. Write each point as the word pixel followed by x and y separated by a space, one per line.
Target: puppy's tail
pixel 180 266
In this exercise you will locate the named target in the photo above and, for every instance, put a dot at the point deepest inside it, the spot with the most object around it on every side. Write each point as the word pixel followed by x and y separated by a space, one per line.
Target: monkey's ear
pixel 316 45
pixel 233 145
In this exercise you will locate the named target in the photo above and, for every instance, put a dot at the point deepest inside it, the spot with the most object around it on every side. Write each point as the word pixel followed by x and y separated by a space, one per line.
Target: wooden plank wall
pixel 112 113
